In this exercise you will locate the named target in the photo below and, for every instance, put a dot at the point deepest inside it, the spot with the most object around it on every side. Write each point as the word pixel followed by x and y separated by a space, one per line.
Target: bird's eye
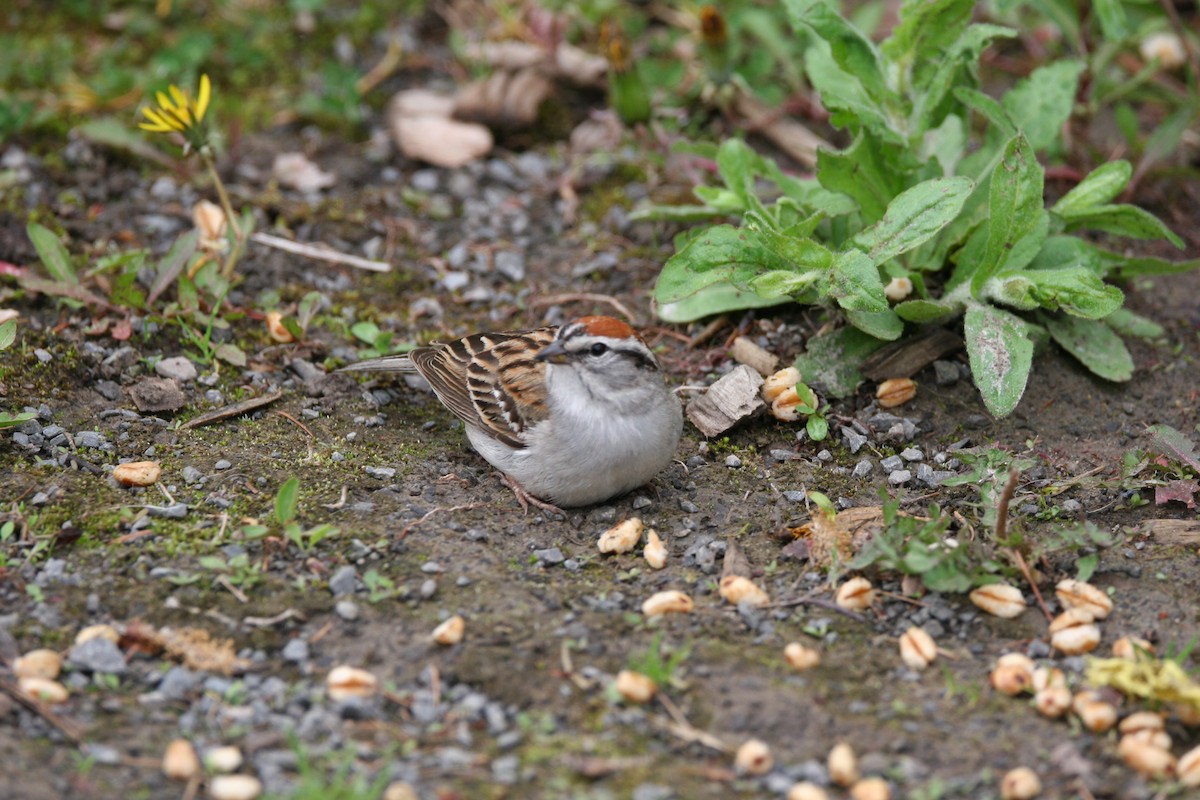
pixel 599 349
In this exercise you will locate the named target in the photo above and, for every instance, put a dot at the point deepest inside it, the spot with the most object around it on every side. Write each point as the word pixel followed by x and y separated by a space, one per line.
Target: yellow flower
pixel 177 112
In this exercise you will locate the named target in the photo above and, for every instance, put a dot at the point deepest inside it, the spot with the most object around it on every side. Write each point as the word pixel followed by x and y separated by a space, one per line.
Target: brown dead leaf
pixel 504 99
pixel 1176 490
pixel 845 533
pixel 196 648
pixel 1173 531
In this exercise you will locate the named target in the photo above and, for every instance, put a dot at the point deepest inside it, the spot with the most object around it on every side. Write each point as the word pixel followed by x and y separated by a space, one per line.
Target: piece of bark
pixel 1173 531
pixel 731 399
pixel 907 357
pixel 745 351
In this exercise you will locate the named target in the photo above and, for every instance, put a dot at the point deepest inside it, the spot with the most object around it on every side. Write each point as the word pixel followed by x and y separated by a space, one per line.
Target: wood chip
pixel 1173 531
pixel 909 356
pixel 728 401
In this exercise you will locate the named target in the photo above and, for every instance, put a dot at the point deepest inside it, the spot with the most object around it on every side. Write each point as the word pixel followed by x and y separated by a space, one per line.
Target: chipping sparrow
pixel 572 416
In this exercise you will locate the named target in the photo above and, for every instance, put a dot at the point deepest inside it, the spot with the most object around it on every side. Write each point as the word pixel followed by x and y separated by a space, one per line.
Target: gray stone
pixel 795 495
pixel 898 477
pixel 97 655
pixel 550 555
pixel 295 651
pixel 510 264
pixel 192 475
pixel 1072 506
pixel 854 439
pixel 381 473
pixel 92 439
pixel 428 588
pixel 688 507
pixel 222 464
pixel 177 368
pixel 178 683
pixel 733 462
pixel 862 469
pixel 945 373
pixel 346 609
pixel 344 581
pixel 176 511
pixel 892 463
pixel 912 454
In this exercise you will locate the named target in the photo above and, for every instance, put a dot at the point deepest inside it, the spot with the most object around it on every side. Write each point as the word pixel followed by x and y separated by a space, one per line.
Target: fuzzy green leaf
pixel 880 324
pixel 862 171
pixel 1113 22
pixel 852 52
pixel 8 334
pixel 721 254
pixel 1042 102
pixel 923 311
pixel 1015 201
pixel 1001 355
pixel 1076 290
pixel 286 501
pixel 1122 220
pixel 989 108
pixel 830 361
pixel 913 217
pixel 950 69
pixel 1101 185
pixel 853 280
pixel 53 253
pixel 924 35
pixel 1093 344
pixel 1127 323
pixel 716 298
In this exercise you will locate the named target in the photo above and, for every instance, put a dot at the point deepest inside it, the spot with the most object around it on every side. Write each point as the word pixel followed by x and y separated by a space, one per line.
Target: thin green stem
pixel 239 240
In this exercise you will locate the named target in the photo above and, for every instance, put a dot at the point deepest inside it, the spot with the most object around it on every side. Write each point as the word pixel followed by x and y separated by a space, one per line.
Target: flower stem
pixel 238 238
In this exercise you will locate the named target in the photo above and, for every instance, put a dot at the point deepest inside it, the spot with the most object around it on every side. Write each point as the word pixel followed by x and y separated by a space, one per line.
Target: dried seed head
pixel 137 473
pixel 1142 721
pixel 898 289
pixel 180 762
pixel 1012 679
pixel 856 594
pixel 1166 47
pixel 622 537
pixel 895 392
pixel 655 552
pixel 776 384
pixel 754 758
pixel 277 330
pixel 999 600
pixel 344 682
pixel 98 632
pixel 671 601
pixel 871 789
pixel 806 791
pixel 1021 783
pixel 1128 647
pixel 40 663
pixel 1097 714
pixel 1045 677
pixel 1188 768
pixel 234 787
pixel 1145 758
pixel 451 631
pixel 738 589
pixel 843 764
pixel 43 689
pixel 1077 640
pixel 917 648
pixel 800 657
pixel 223 760
pixel 786 406
pixel 635 687
pixel 1053 701
pixel 1078 594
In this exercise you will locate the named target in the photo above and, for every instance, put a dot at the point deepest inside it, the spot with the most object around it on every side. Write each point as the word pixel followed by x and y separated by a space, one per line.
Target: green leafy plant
pixel 8 334
pixel 916 197
pixel 660 667
pixel 287 502
pixel 379 342
pixel 379 586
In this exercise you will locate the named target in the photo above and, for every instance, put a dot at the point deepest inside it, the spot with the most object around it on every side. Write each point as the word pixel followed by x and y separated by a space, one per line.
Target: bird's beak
pixel 554 353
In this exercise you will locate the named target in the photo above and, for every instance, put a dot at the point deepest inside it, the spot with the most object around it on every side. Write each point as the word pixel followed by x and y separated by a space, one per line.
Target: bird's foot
pixel 526 499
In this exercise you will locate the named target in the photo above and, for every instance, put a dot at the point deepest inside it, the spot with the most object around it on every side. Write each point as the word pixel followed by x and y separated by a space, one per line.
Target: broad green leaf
pixel 783 284
pixel 852 51
pixel 831 360
pixel 989 108
pixel 1001 355
pixel 883 325
pixel 716 298
pixel 8 334
pixel 1042 102
pixel 692 213
pixel 1015 207
pixel 1101 185
pixel 1128 267
pixel 1093 343
pixel 862 171
pixel 1076 290
pixel 913 217
pixel 923 311
pixel 945 143
pixel 172 264
pixel 230 354
pixel 1113 22
pixel 853 280
pixel 1026 249
pixel 736 163
pixel 1127 323
pixel 924 36
pixel 286 500
pixel 721 254
pixel 53 253
pixel 817 427
pixel 951 69
pixel 8 420
pixel 848 104
pixel 1123 220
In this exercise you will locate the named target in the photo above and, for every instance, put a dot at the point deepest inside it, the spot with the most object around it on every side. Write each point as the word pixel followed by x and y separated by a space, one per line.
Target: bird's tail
pixel 385 364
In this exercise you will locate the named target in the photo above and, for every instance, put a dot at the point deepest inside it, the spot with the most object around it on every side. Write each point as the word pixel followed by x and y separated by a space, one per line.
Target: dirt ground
pixel 545 631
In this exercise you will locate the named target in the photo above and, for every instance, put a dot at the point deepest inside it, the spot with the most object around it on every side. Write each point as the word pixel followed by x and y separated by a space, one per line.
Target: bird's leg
pixel 526 499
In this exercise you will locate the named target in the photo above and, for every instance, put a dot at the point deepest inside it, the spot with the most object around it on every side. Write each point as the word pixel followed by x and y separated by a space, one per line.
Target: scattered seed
pixel 451 631
pixel 895 392
pixel 40 663
pixel 1078 594
pixel 43 689
pixel 671 601
pixel 655 552
pixel 1077 640
pixel 917 648
pixel 842 764
pixel 785 407
pixel 1187 714
pixel 344 682
pixel 1142 721
pixel 1145 758
pixel 277 330
pixel 871 789
pixel 1045 677
pixel 800 657
pixel 1070 618
pixel 234 787
pixel 1013 674
pixel 754 758
pixel 777 384
pixel 1053 701
pixel 137 473
pixel 400 791
pixel 225 759
pixel 739 589
pixel 856 594
pixel 622 537
pixel 1021 783
pixel 806 791
pixel 1188 768
pixel 1128 647
pixel 98 631
pixel 635 687
pixel 999 600
pixel 1097 714
pixel 179 760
